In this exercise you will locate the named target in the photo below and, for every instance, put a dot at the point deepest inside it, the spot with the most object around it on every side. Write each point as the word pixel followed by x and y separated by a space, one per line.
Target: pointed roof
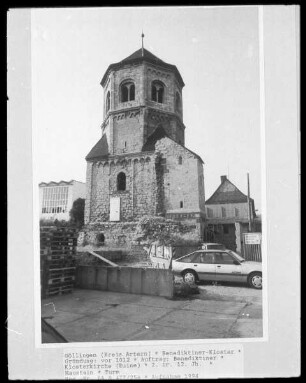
pixel 227 192
pixel 140 56
pixel 157 135
pixel 100 150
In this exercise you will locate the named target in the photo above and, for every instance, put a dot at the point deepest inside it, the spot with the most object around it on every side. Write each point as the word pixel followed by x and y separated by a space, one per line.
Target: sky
pixel 214 48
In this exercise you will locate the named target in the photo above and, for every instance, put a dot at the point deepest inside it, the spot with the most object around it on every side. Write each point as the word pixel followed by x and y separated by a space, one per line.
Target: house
pixel 228 213
pixel 56 198
pixel 140 165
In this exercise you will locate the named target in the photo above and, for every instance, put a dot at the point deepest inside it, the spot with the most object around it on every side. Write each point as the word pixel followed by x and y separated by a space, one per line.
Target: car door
pixel 227 268
pixel 204 265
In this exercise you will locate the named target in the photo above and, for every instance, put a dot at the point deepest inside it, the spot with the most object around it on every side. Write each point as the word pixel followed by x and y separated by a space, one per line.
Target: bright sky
pixel 214 48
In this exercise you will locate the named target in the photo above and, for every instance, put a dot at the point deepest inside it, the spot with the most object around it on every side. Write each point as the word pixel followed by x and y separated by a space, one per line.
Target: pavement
pixel 218 311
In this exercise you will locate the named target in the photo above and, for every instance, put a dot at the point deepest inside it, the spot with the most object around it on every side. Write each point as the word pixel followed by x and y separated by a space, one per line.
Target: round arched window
pixel 127 91
pixel 157 92
pixel 121 181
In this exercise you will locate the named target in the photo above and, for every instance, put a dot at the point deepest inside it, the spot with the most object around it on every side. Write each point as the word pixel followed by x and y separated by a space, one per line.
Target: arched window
pixel 121 181
pixel 107 101
pixel 157 92
pixel 127 91
pixel 178 104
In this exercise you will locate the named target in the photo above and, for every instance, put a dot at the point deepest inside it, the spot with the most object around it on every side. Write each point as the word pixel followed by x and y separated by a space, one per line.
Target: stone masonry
pixel 141 161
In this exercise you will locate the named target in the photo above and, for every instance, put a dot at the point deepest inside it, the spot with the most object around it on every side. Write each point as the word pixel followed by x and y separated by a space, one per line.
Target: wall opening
pixel 127 92
pixel 101 238
pixel 121 181
pixel 157 92
pixel 181 204
pixel 107 101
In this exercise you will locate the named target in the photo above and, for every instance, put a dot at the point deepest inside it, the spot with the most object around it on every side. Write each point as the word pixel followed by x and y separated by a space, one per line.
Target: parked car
pixel 218 265
pixel 212 246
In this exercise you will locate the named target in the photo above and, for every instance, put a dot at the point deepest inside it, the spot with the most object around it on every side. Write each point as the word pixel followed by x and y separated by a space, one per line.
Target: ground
pixel 218 311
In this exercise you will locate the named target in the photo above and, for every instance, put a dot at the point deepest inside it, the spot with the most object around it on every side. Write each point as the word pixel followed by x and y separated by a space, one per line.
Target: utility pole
pixel 249 206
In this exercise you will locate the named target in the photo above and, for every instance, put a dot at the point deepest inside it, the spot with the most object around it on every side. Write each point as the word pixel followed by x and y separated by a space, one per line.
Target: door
pixel 227 268
pixel 114 209
pixel 204 265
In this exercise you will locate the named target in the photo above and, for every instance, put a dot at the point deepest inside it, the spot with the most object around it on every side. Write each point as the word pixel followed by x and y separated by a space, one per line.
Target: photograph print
pixel 147 171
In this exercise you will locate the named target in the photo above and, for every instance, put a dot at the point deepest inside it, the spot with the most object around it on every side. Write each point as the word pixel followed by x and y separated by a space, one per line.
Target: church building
pixel 140 165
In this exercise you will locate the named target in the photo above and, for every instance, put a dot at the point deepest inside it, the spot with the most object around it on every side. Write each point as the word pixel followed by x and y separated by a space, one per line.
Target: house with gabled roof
pixel 228 213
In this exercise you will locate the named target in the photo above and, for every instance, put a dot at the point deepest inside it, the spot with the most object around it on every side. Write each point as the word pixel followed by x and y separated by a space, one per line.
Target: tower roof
pixel 139 56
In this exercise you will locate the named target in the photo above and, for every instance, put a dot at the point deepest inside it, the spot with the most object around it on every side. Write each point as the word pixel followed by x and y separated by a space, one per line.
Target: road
pixel 217 312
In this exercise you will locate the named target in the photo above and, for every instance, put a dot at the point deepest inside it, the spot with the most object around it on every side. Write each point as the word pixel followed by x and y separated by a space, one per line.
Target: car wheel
pixel 255 280
pixel 190 277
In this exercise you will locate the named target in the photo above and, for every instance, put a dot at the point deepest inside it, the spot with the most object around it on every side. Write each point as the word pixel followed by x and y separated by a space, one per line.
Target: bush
pixel 56 222
pixel 77 212
pixel 162 231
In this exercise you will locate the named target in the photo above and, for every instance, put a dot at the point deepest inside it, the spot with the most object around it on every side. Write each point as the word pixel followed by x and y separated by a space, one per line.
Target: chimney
pixel 223 178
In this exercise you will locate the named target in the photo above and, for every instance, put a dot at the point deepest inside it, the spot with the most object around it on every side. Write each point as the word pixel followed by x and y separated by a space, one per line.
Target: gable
pixel 157 135
pixel 227 193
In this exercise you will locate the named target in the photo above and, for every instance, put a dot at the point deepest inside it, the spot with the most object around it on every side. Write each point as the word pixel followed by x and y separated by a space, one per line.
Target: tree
pixel 77 212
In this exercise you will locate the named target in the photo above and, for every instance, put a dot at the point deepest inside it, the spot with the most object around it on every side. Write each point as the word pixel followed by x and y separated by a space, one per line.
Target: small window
pixel 189 258
pixel 157 92
pixel 121 181
pixel 224 259
pixel 107 101
pixel 178 104
pixel 180 160
pixel 208 258
pixel 225 229
pixel 210 212
pixel 223 212
pixel 181 204
pixel 236 212
pixel 127 92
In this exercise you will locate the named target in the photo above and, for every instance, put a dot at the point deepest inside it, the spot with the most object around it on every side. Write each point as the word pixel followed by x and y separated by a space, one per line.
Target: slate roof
pixel 100 150
pixel 158 134
pixel 138 57
pixel 222 197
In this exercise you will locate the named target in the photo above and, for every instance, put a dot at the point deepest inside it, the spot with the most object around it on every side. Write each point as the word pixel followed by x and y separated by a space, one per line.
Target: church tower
pixel 141 93
pixel 140 166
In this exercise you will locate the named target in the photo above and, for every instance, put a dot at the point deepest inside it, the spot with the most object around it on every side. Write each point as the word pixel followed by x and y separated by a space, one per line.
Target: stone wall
pixel 181 180
pixel 140 196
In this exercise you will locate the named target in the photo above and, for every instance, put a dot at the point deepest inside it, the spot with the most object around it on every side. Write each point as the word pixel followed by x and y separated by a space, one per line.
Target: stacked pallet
pixel 57 255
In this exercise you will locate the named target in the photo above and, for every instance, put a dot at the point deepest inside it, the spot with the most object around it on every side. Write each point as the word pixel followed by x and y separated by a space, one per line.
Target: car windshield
pixel 237 256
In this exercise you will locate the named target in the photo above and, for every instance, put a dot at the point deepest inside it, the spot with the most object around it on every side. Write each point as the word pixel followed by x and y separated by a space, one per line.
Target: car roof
pixel 211 243
pixel 209 250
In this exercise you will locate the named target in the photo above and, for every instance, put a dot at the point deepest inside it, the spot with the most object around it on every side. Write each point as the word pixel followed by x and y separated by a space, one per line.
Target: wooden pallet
pixel 56 281
pixel 59 272
pixel 57 252
pixel 58 290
